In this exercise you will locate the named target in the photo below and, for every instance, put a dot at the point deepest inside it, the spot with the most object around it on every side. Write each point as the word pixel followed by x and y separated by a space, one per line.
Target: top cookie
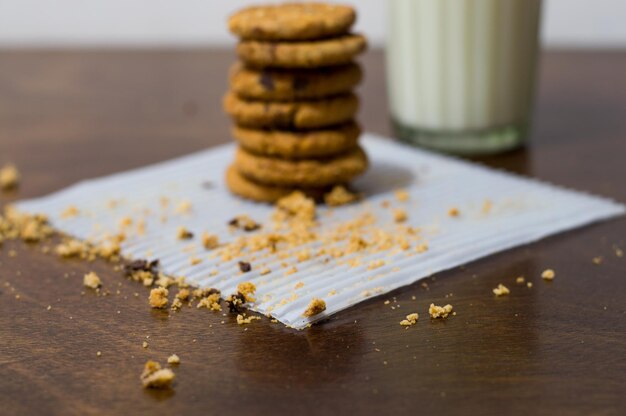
pixel 292 21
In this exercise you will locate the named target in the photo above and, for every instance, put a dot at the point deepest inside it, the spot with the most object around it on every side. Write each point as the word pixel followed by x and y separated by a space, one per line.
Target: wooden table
pixel 558 348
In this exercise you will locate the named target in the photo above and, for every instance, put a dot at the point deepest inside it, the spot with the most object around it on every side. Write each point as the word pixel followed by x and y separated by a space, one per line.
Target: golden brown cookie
pixel 246 188
pixel 314 54
pixel 298 144
pixel 292 115
pixel 307 173
pixel 286 85
pixel 292 21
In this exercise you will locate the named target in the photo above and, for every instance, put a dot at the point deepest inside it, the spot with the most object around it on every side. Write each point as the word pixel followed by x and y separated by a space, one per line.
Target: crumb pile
pixel 294 234
pixel 29 228
pixel 292 102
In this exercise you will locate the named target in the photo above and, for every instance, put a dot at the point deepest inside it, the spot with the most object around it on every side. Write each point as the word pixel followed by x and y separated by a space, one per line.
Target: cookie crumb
pixel 401 195
pixel 264 271
pixel 158 297
pixel 144 344
pixel 454 212
pixel 339 195
pixel 183 294
pixel 164 281
pixel 520 280
pixel 209 298
pixel 241 320
pixel 28 228
pixel 303 255
pixel 184 207
pixel 173 359
pixel 597 260
pixel 98 354
pixel 9 177
pixel 92 280
pixel 125 222
pixel 316 306
pixel 245 223
pixel 73 248
pixel 183 233
pixel 411 319
pixel 235 302
pixel 177 304
pixel 70 211
pixel 548 274
pixel 399 215
pixel 140 269
pixel 487 205
pixel 291 270
pixel 210 241
pixel 297 205
pixel 501 290
pixel 529 284
pixel 247 289
pixel 244 266
pixel 375 264
pixel 109 250
pixel 153 376
pixel 421 248
pixel 439 311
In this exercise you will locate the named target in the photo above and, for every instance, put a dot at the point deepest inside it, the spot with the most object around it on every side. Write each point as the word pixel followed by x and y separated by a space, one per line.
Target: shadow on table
pixel 383 177
pixel 517 161
pixel 319 354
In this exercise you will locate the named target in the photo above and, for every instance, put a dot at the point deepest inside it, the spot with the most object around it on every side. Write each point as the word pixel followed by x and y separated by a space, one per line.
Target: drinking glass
pixel 461 73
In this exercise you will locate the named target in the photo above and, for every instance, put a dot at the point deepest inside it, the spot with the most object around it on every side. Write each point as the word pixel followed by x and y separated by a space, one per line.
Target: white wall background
pixel 36 23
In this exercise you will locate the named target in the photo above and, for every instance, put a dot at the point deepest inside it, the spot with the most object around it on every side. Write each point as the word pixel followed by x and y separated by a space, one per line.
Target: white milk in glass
pixel 461 72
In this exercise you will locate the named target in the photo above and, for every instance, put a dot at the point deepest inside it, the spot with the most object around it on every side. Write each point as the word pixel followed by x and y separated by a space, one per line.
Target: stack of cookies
pixel 292 102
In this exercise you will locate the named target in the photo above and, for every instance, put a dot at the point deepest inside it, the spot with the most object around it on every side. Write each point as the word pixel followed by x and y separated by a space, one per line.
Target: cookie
pixel 244 187
pixel 307 173
pixel 292 21
pixel 292 115
pixel 286 85
pixel 298 144
pixel 314 54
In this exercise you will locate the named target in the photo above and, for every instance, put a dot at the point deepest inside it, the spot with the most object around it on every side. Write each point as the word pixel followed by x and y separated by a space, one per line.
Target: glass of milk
pixel 461 72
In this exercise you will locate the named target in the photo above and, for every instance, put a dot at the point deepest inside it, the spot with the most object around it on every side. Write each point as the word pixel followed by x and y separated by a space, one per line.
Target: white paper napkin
pixel 522 210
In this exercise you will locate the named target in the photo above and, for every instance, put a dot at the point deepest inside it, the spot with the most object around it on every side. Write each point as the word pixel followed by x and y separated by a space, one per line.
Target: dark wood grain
pixel 558 348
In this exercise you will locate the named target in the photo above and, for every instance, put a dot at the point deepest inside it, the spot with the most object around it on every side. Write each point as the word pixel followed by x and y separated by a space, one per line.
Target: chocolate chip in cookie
pixel 288 85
